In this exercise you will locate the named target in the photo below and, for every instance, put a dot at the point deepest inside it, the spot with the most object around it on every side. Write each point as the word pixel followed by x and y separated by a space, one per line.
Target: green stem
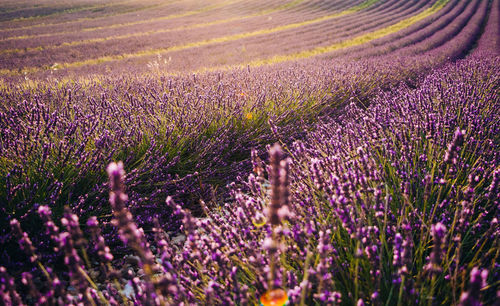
pixel 356 271
pixel 272 263
pixel 400 295
pixel 306 276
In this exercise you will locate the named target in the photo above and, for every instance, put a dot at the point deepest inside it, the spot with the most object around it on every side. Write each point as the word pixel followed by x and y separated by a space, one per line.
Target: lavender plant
pixel 394 203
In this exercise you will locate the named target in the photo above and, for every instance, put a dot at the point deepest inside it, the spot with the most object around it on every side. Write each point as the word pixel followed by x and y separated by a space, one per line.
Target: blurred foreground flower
pixel 276 213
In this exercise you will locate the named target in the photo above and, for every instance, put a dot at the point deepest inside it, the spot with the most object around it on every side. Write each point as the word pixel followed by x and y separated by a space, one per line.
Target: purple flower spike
pixel 451 154
pixel 477 281
pixel 24 241
pixel 438 232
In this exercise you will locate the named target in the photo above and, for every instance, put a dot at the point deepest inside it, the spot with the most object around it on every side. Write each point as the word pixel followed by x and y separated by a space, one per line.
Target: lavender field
pixel 235 152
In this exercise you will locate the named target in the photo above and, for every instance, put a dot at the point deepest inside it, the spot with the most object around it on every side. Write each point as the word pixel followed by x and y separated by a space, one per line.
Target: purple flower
pixel 477 281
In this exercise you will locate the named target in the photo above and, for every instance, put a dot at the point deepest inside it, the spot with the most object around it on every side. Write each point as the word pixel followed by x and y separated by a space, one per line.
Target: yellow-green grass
pixel 222 39
pixel 153 32
pixel 127 24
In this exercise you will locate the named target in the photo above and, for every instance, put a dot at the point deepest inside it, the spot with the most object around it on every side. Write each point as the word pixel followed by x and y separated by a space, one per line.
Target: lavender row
pixel 489 43
pixel 473 16
pixel 196 11
pixel 67 54
pixel 253 47
pixel 152 13
pixel 55 38
pixel 411 35
pixel 450 43
pixel 20 16
pixel 357 25
pixel 261 46
pixel 460 44
pixel 330 32
pixel 431 36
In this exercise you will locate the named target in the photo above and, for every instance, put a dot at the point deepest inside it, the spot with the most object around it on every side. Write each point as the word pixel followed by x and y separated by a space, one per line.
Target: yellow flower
pixel 275 297
pixel 249 116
